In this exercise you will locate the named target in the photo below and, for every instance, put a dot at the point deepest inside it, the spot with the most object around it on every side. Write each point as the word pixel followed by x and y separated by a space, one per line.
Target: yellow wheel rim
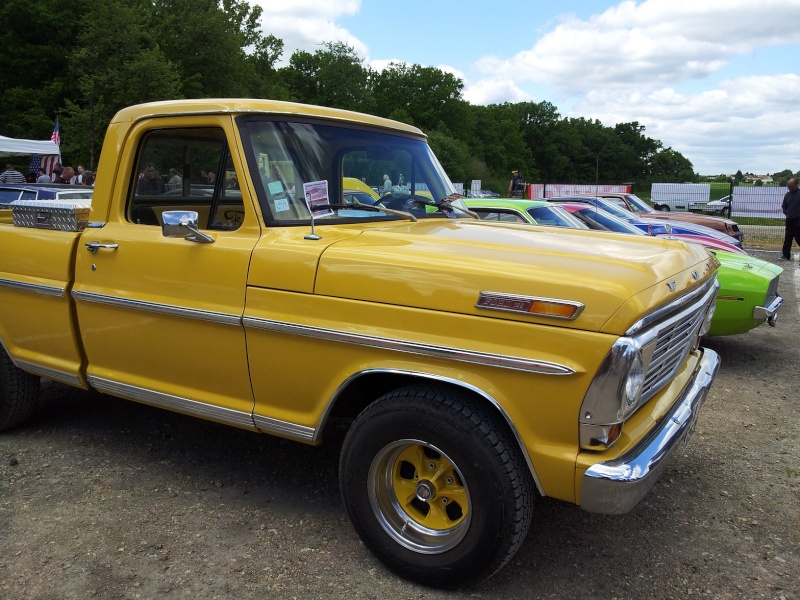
pixel 419 496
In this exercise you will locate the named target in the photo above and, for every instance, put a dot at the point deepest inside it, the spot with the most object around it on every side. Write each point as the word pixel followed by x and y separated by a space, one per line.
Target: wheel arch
pixel 363 388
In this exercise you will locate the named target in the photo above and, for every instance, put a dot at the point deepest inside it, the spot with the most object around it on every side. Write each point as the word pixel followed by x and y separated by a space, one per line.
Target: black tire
pixel 19 392
pixel 435 487
pixel 726 212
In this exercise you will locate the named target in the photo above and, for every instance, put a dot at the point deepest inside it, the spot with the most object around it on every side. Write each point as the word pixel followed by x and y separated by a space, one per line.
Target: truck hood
pixel 444 265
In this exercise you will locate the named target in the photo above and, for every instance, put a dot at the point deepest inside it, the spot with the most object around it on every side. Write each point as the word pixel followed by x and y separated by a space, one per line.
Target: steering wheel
pixel 404 202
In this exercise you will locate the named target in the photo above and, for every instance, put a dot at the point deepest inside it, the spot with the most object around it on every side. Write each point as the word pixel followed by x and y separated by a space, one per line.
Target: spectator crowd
pixel 61 174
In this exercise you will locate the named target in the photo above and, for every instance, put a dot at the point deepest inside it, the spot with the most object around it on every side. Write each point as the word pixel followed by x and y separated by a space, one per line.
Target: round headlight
pixel 634 381
pixel 707 321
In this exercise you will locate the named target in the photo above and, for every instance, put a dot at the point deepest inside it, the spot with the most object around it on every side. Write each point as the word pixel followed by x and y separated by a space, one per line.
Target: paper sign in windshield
pixel 316 193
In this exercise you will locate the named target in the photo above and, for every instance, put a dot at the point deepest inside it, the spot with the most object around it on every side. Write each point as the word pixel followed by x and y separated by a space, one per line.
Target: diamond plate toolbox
pixel 45 214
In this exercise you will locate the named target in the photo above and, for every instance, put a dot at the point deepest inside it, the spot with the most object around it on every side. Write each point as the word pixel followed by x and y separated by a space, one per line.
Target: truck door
pixel 160 317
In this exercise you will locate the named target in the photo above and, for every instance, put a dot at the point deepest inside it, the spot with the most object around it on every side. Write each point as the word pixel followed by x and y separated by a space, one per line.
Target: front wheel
pixel 435 487
pixel 19 392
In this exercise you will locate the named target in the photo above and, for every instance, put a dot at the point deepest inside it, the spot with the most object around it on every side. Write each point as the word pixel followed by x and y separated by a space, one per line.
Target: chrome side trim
pixel 448 380
pixel 176 403
pixel 47 290
pixel 49 373
pixel 616 486
pixel 163 309
pixel 299 433
pixel 480 358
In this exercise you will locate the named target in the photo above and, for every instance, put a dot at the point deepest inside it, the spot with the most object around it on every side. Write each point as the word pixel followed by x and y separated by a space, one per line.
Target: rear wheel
pixel 19 392
pixel 435 487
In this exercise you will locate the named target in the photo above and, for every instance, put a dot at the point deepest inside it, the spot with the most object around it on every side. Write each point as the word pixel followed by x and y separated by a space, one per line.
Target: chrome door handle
pixel 94 246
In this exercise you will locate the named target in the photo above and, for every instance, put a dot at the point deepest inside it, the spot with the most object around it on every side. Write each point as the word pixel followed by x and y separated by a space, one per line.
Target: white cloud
pixel 494 91
pixel 743 123
pixel 306 24
pixel 655 42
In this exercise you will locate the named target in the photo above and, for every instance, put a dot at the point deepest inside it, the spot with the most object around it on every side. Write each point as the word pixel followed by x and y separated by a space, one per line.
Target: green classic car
pixel 748 294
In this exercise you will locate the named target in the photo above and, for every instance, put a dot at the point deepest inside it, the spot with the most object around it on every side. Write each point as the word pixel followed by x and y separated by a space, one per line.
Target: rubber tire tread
pixel 453 408
pixel 19 393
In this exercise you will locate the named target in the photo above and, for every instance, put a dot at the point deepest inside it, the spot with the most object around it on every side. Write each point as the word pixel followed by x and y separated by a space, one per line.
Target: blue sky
pixel 717 80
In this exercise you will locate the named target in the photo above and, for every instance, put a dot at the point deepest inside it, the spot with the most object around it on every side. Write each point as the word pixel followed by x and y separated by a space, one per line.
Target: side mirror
pixel 183 224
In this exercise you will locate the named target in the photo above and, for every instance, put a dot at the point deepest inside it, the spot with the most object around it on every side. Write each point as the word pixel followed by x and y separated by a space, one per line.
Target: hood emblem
pixel 696 275
pixel 671 285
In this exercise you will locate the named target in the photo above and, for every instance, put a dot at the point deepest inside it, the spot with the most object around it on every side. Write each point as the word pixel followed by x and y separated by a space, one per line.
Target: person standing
pixel 151 182
pixel 57 171
pixel 43 176
pixel 66 176
pixel 11 175
pixel 516 187
pixel 791 208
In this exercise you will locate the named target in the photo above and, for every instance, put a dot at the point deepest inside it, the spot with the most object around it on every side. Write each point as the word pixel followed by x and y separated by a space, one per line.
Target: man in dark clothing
pixel 150 183
pixel 791 208
pixel 516 187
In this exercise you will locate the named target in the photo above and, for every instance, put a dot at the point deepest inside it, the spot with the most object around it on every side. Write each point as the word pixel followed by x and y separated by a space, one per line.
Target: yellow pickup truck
pixel 221 271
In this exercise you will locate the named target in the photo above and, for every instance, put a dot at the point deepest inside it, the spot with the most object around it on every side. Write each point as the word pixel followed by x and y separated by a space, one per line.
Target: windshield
pixel 615 210
pixel 597 218
pixel 554 216
pixel 638 204
pixel 294 163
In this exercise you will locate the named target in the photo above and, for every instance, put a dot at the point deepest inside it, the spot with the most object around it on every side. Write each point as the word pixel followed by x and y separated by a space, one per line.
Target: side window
pixel 620 202
pixel 186 169
pixel 494 215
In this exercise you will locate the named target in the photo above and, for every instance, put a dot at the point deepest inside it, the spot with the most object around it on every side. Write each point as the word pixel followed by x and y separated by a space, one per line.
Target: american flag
pixel 38 161
pixel 56 136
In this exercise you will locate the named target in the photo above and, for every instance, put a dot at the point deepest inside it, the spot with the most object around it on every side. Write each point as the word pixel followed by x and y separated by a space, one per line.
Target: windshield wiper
pixel 368 207
pixel 446 206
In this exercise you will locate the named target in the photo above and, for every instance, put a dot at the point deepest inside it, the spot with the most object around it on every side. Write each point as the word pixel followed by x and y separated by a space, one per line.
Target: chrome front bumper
pixel 616 486
pixel 768 313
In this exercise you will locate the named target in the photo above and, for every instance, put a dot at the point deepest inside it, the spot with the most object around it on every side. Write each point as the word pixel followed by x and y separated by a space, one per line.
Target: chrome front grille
pixel 673 345
pixel 673 336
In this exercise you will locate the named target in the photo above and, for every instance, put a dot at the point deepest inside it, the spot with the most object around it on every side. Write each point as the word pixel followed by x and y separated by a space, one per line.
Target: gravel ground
pixel 103 498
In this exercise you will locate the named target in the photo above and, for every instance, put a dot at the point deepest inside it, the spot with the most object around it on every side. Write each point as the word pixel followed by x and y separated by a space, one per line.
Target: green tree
pixel 35 36
pixel 430 96
pixel 118 62
pixel 334 76
pixel 670 166
pixel 453 154
pixel 266 82
pixel 206 41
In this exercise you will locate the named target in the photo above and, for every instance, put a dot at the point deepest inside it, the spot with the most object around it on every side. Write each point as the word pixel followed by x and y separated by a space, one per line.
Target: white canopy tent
pixel 17 147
